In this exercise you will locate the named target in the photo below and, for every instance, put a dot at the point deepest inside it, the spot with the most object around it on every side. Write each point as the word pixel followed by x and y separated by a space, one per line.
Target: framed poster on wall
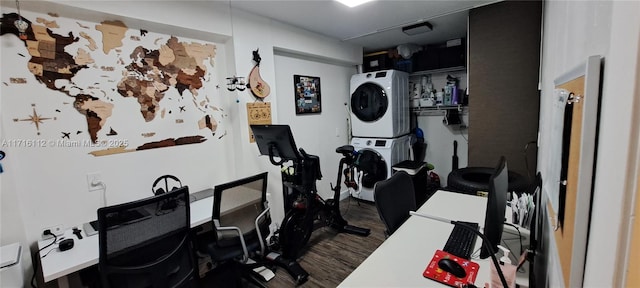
pixel 307 94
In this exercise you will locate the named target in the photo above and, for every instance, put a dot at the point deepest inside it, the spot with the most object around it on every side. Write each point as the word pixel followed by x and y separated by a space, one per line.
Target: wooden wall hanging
pixel 258 113
pixel 258 87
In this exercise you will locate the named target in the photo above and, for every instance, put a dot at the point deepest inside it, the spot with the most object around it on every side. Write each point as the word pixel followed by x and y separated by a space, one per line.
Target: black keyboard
pixel 461 241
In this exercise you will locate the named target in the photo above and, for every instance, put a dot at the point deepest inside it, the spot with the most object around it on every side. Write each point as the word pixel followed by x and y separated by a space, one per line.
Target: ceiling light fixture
pixel 353 3
pixel 417 28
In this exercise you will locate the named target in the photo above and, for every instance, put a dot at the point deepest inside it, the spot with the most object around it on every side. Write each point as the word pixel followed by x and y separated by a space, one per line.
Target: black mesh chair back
pixel 147 243
pixel 394 198
pixel 238 207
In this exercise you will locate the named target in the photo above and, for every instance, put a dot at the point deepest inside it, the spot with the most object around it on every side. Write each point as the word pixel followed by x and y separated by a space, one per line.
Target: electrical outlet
pixel 94 181
pixel 58 230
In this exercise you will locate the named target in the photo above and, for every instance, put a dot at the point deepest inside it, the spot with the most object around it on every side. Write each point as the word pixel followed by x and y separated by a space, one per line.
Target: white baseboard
pixel 344 194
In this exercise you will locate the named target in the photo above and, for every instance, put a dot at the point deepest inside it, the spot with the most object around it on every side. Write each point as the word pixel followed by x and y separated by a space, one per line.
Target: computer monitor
pixel 496 206
pixel 275 141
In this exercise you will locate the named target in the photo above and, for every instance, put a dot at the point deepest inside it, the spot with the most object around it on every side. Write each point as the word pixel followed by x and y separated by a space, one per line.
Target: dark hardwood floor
pixel 329 257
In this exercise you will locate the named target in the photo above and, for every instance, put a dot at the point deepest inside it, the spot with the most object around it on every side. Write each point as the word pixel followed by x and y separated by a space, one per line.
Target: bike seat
pixel 345 150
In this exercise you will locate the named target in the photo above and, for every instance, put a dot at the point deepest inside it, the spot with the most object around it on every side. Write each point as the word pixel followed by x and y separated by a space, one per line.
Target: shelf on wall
pixel 442 70
pixel 438 110
pixel 440 107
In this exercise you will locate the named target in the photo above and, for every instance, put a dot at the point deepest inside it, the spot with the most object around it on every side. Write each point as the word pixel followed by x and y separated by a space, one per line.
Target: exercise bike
pixel 305 210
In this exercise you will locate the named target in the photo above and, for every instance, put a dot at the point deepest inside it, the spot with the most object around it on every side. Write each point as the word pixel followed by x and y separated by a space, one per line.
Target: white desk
pixel 85 251
pixel 401 259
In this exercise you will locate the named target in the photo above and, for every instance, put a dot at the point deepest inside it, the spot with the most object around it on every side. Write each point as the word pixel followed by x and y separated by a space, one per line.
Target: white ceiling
pixel 375 25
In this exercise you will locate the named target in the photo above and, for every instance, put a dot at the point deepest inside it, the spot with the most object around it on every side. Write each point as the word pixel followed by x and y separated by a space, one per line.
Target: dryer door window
pixel 369 102
pixel 372 165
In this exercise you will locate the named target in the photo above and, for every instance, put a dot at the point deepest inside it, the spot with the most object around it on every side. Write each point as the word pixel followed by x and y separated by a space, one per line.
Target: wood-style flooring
pixel 329 257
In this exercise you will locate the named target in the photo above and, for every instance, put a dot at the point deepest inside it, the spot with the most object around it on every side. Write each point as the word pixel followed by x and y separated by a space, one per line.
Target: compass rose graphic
pixel 35 118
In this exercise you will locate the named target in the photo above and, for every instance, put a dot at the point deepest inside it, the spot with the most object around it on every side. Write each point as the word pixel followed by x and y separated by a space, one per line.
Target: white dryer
pixel 380 104
pixel 375 158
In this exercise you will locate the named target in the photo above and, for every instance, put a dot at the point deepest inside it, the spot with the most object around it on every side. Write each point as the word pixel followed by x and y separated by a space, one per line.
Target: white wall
pixel 201 17
pixel 52 180
pixel 253 32
pixel 12 225
pixel 621 79
pixel 318 134
pixel 47 186
pixel 439 138
pixel 574 30
pixel 43 189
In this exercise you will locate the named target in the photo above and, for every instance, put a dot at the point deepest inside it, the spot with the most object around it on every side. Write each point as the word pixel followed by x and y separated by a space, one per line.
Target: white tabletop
pixel 85 251
pixel 403 257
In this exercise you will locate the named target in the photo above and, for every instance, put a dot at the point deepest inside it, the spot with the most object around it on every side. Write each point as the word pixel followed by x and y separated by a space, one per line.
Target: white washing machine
pixel 380 104
pixel 375 158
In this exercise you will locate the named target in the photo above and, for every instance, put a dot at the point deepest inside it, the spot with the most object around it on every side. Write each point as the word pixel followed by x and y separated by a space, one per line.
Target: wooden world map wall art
pixel 101 71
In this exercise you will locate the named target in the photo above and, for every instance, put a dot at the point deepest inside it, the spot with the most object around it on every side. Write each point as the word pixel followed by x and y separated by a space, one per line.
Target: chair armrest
pixel 258 230
pixel 241 236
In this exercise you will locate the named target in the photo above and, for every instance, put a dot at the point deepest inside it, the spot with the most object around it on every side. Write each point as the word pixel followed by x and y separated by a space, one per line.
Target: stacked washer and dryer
pixel 380 125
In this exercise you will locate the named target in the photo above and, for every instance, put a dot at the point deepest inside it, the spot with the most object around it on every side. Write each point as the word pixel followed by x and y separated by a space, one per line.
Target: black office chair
pixel 394 198
pixel 147 243
pixel 239 232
